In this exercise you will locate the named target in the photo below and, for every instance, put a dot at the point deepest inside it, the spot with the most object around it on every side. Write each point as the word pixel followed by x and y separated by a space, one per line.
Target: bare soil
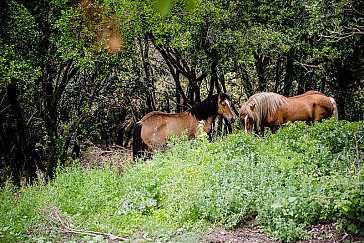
pixel 248 233
pixel 252 232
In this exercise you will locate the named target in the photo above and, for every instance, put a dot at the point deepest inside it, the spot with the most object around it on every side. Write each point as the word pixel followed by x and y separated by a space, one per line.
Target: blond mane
pixel 264 103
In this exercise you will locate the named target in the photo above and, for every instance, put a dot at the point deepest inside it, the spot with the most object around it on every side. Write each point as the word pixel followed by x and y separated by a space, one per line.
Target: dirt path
pixel 249 233
pixel 252 232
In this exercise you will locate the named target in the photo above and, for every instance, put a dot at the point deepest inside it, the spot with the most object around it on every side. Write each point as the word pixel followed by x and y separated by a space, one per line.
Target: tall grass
pixel 297 177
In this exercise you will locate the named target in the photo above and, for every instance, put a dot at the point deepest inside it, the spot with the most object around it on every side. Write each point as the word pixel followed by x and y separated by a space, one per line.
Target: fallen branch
pixel 54 215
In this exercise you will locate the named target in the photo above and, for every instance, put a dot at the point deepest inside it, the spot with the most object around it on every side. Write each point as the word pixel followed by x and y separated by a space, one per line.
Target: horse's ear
pixel 252 106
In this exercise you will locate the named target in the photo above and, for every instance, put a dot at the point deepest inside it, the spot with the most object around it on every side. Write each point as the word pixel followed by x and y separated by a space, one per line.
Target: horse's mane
pixel 265 103
pixel 208 106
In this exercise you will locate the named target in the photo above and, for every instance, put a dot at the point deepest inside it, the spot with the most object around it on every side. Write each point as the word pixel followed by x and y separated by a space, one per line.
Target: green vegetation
pixel 75 74
pixel 297 177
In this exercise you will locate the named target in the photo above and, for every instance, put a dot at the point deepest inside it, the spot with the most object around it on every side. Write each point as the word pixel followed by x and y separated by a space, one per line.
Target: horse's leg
pixel 165 148
pixel 208 127
pixel 262 131
pixel 210 137
pixel 274 129
pixel 255 127
pixel 228 127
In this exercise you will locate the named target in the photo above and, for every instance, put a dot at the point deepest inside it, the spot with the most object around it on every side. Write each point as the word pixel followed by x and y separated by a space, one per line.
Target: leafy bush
pixel 297 177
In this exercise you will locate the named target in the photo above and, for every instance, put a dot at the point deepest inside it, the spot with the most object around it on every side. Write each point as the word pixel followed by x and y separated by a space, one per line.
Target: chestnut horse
pixel 271 110
pixel 152 130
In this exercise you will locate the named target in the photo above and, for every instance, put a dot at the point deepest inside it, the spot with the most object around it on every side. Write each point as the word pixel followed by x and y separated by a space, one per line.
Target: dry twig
pixel 54 215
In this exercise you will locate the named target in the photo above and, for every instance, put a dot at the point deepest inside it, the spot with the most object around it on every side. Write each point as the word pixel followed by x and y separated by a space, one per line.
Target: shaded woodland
pixel 80 73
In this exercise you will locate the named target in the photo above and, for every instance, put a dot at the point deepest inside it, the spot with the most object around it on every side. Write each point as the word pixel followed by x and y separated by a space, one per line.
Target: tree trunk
pixel 248 87
pixel 24 159
pixel 260 63
pixel 344 78
pixel 214 81
pixel 289 75
pixel 278 74
pixel 144 49
pixel 323 85
pixel 53 89
pixel 223 84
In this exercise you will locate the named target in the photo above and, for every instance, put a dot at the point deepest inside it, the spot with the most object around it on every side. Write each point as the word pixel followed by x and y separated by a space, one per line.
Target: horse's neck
pixel 189 117
pixel 204 110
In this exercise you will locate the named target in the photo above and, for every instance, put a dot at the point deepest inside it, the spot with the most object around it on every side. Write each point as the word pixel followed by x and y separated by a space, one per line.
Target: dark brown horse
pixel 152 130
pixel 271 110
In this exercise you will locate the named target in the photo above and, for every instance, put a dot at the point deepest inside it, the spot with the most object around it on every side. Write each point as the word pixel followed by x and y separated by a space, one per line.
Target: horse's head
pixel 246 115
pixel 224 107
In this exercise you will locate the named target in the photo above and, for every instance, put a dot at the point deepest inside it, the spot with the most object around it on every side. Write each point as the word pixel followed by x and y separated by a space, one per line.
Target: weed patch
pixel 295 178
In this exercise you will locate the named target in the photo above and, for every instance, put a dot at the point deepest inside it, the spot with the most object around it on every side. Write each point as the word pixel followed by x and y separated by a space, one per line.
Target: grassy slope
pixel 297 177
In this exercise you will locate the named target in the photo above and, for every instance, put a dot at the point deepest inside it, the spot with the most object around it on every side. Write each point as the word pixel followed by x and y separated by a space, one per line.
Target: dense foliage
pixel 297 177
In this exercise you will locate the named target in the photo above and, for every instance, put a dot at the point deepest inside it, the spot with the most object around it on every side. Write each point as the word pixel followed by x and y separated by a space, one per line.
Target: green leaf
pixel 277 205
pixel 113 237
pixel 98 238
pixel 292 199
pixel 163 6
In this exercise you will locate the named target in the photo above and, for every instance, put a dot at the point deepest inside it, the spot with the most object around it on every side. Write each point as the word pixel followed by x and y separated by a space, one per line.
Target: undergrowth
pixel 297 177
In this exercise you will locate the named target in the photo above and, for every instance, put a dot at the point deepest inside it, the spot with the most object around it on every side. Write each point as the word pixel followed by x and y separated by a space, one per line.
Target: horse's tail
pixel 335 113
pixel 137 139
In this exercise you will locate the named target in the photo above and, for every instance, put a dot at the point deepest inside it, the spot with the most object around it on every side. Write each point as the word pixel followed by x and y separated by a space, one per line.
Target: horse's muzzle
pixel 231 120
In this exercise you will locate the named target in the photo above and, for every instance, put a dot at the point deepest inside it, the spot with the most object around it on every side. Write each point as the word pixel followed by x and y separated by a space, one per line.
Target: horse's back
pixel 315 105
pixel 310 92
pixel 154 115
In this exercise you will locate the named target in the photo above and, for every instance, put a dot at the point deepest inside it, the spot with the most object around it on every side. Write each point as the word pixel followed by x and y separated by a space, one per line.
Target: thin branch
pixel 31 117
pixel 352 8
pixel 307 66
pixel 5 108
pixel 338 36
